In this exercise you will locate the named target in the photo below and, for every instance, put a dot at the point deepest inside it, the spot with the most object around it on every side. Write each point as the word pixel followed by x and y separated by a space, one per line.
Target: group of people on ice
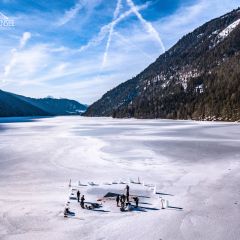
pixel 81 200
pixel 88 206
pixel 67 208
pixel 124 201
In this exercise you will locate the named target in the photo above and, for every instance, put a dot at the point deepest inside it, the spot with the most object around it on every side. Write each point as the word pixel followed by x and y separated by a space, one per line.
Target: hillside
pixel 12 105
pixel 198 78
pixel 55 106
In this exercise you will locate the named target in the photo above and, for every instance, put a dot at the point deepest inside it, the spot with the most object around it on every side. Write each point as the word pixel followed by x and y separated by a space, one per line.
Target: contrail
pixel 117 10
pixel 106 28
pixel 147 25
pixel 96 40
pixel 127 13
pixel 123 39
pixel 115 15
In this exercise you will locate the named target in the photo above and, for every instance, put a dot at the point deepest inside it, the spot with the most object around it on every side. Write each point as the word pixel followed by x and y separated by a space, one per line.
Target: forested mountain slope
pixel 13 105
pixel 55 106
pixel 198 78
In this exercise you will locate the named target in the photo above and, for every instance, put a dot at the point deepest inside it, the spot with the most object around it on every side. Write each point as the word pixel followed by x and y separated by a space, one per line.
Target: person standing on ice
pixel 117 200
pixel 136 200
pixel 123 198
pixel 127 193
pixel 78 195
pixel 127 197
pixel 122 206
pixel 82 201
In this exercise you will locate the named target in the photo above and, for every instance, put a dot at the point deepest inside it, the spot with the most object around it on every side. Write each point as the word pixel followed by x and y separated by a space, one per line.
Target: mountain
pixel 12 105
pixel 198 78
pixel 55 106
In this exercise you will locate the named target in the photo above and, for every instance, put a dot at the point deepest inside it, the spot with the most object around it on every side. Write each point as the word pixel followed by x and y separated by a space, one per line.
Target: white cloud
pixel 96 40
pixel 10 65
pixel 70 14
pixel 15 54
pixel 128 42
pixel 39 70
pixel 25 64
pixel 24 39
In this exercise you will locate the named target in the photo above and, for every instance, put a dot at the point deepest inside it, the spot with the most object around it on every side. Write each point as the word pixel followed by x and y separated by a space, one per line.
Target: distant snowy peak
pixel 224 33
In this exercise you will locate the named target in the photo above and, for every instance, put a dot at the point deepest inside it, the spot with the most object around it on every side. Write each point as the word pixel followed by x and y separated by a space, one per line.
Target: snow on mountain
pixel 203 61
pixel 224 33
pixel 221 35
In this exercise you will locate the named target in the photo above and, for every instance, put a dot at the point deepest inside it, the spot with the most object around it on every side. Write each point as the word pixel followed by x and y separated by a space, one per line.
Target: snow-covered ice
pixel 194 165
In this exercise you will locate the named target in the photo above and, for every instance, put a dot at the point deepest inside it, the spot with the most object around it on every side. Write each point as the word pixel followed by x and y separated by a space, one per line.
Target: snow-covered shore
pixel 195 166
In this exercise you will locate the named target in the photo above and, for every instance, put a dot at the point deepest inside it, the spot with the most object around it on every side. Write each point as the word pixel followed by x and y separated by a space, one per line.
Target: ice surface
pixel 195 166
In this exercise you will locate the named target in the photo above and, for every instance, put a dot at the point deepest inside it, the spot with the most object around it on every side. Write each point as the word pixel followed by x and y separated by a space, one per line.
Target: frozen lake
pixel 195 166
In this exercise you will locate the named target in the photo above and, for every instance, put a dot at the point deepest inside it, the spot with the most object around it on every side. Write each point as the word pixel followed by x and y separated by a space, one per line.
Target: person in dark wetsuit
pixel 82 201
pixel 123 198
pixel 122 208
pixel 117 200
pixel 78 195
pixel 127 193
pixel 136 199
pixel 66 211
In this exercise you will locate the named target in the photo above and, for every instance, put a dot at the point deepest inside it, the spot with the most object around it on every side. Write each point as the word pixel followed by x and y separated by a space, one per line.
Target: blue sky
pixel 80 49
